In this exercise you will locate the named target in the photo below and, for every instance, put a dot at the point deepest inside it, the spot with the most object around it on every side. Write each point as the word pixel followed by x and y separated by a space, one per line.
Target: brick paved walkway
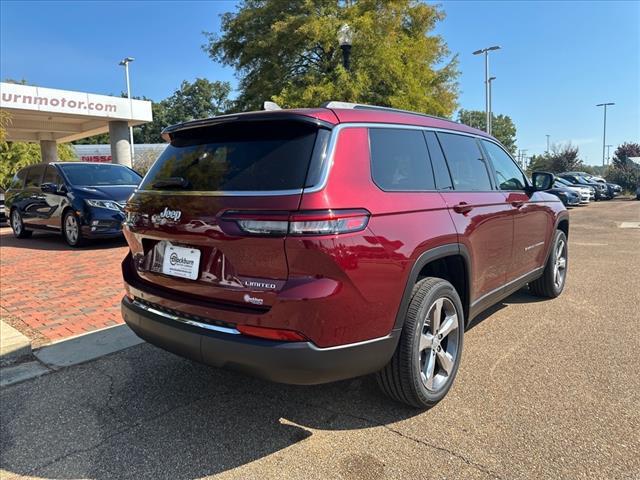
pixel 57 291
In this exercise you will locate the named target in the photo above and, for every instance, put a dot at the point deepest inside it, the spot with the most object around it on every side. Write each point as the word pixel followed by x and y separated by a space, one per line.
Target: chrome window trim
pixel 217 193
pixel 186 321
pixel 326 168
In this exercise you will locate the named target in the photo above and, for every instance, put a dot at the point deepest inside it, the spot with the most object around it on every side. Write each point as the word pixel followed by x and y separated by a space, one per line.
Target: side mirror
pixel 542 181
pixel 49 188
pixel 53 188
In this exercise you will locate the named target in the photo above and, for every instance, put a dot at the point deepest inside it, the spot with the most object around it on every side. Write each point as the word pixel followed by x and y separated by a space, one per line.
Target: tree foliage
pixel 622 155
pixel 288 52
pixel 502 127
pixel 17 155
pixel 200 99
pixel 562 158
pixel 623 170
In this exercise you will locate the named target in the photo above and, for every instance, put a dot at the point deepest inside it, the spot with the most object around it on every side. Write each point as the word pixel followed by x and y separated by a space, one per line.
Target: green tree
pixel 17 155
pixel 562 158
pixel 200 99
pixel 502 127
pixel 288 52
pixel 623 170
pixel 622 155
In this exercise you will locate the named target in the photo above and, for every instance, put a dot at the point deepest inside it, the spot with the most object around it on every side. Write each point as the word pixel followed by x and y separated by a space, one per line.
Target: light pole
pixel 486 80
pixel 609 154
pixel 604 129
pixel 490 116
pixel 125 63
pixel 548 142
pixel 345 39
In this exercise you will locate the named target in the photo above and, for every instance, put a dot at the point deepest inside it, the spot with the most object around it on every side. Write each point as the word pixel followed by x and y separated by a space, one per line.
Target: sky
pixel 557 59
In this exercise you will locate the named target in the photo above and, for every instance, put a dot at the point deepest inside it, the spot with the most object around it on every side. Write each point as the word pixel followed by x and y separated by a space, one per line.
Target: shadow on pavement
pixel 51 241
pixel 521 296
pixel 144 413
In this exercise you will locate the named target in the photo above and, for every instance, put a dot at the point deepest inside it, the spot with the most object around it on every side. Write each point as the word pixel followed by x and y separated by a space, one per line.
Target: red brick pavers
pixel 58 291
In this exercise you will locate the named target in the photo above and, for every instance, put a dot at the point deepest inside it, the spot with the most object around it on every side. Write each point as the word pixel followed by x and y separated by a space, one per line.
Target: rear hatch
pixel 204 221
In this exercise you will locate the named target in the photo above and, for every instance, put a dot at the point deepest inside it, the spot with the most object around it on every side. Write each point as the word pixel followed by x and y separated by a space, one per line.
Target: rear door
pixel 31 196
pixel 48 207
pixel 480 213
pixel 209 219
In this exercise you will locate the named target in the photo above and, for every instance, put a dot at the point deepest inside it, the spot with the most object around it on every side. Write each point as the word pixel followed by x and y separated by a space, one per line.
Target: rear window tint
pixel 243 156
pixel 34 177
pixel 18 179
pixel 468 167
pixel 440 169
pixel 399 160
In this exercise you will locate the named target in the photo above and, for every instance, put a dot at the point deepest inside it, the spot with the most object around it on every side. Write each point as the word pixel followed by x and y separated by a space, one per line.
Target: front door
pixel 532 221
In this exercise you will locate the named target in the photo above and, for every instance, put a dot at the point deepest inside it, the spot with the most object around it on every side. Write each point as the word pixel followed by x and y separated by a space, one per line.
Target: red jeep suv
pixel 312 245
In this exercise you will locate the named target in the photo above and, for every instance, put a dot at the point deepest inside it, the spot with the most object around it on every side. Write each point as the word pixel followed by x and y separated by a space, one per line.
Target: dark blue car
pixel 81 200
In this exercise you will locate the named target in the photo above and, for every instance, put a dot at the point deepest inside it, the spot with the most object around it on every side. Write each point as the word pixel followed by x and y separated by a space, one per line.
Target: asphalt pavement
pixel 546 389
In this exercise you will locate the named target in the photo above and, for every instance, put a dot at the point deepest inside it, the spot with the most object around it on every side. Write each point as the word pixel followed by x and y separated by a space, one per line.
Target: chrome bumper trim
pixel 186 321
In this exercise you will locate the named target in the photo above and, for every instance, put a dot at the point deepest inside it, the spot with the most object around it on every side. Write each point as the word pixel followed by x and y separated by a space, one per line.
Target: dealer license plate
pixel 181 262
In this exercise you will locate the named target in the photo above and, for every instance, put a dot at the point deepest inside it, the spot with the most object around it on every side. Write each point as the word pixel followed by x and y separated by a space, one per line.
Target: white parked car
pixel 586 193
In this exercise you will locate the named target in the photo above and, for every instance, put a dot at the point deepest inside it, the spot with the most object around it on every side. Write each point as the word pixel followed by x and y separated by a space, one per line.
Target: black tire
pixel 402 378
pixel 547 285
pixel 73 240
pixel 17 225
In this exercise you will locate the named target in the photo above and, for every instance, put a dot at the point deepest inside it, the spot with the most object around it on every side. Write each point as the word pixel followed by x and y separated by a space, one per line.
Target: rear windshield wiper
pixel 172 182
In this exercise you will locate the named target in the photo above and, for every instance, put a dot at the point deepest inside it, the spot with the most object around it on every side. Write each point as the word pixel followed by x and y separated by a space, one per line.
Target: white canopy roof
pixel 38 113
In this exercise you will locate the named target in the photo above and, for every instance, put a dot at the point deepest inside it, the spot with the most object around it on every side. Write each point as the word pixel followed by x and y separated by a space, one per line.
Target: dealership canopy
pixel 49 116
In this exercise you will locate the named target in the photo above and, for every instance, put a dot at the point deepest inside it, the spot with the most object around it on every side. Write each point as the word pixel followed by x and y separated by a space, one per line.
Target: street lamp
pixel 345 38
pixel 609 154
pixel 548 142
pixel 490 116
pixel 604 128
pixel 486 51
pixel 125 63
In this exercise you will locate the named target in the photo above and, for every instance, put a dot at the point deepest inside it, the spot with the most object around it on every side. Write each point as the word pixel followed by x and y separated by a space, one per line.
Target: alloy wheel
pixel 71 229
pixel 16 222
pixel 560 266
pixel 438 347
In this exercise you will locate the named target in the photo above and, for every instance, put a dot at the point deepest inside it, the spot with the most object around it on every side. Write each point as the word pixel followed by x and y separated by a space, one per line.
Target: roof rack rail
pixel 362 106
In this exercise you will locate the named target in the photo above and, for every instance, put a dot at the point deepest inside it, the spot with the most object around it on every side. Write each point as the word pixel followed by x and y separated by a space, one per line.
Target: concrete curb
pixel 13 345
pixel 71 352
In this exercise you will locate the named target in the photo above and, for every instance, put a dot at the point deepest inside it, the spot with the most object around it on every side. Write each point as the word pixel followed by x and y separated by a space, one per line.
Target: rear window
pixel 243 156
pixel 99 174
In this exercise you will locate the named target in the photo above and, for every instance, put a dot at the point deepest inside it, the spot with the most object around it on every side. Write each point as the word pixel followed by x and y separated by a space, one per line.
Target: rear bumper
pixel 300 363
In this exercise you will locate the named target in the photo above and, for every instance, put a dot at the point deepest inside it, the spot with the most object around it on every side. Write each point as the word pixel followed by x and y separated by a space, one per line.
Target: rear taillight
pixel 329 222
pixel 317 222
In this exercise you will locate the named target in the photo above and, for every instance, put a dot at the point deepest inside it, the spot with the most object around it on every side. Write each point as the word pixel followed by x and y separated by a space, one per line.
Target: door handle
pixel 462 207
pixel 517 203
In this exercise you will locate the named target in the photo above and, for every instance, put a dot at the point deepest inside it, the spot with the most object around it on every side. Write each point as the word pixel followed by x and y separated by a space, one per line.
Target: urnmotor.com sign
pixel 25 97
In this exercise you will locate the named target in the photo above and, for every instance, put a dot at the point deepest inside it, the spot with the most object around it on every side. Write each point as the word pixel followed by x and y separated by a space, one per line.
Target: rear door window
pixel 34 177
pixel 17 182
pixel 440 169
pixel 509 176
pixel 400 160
pixel 242 156
pixel 468 168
